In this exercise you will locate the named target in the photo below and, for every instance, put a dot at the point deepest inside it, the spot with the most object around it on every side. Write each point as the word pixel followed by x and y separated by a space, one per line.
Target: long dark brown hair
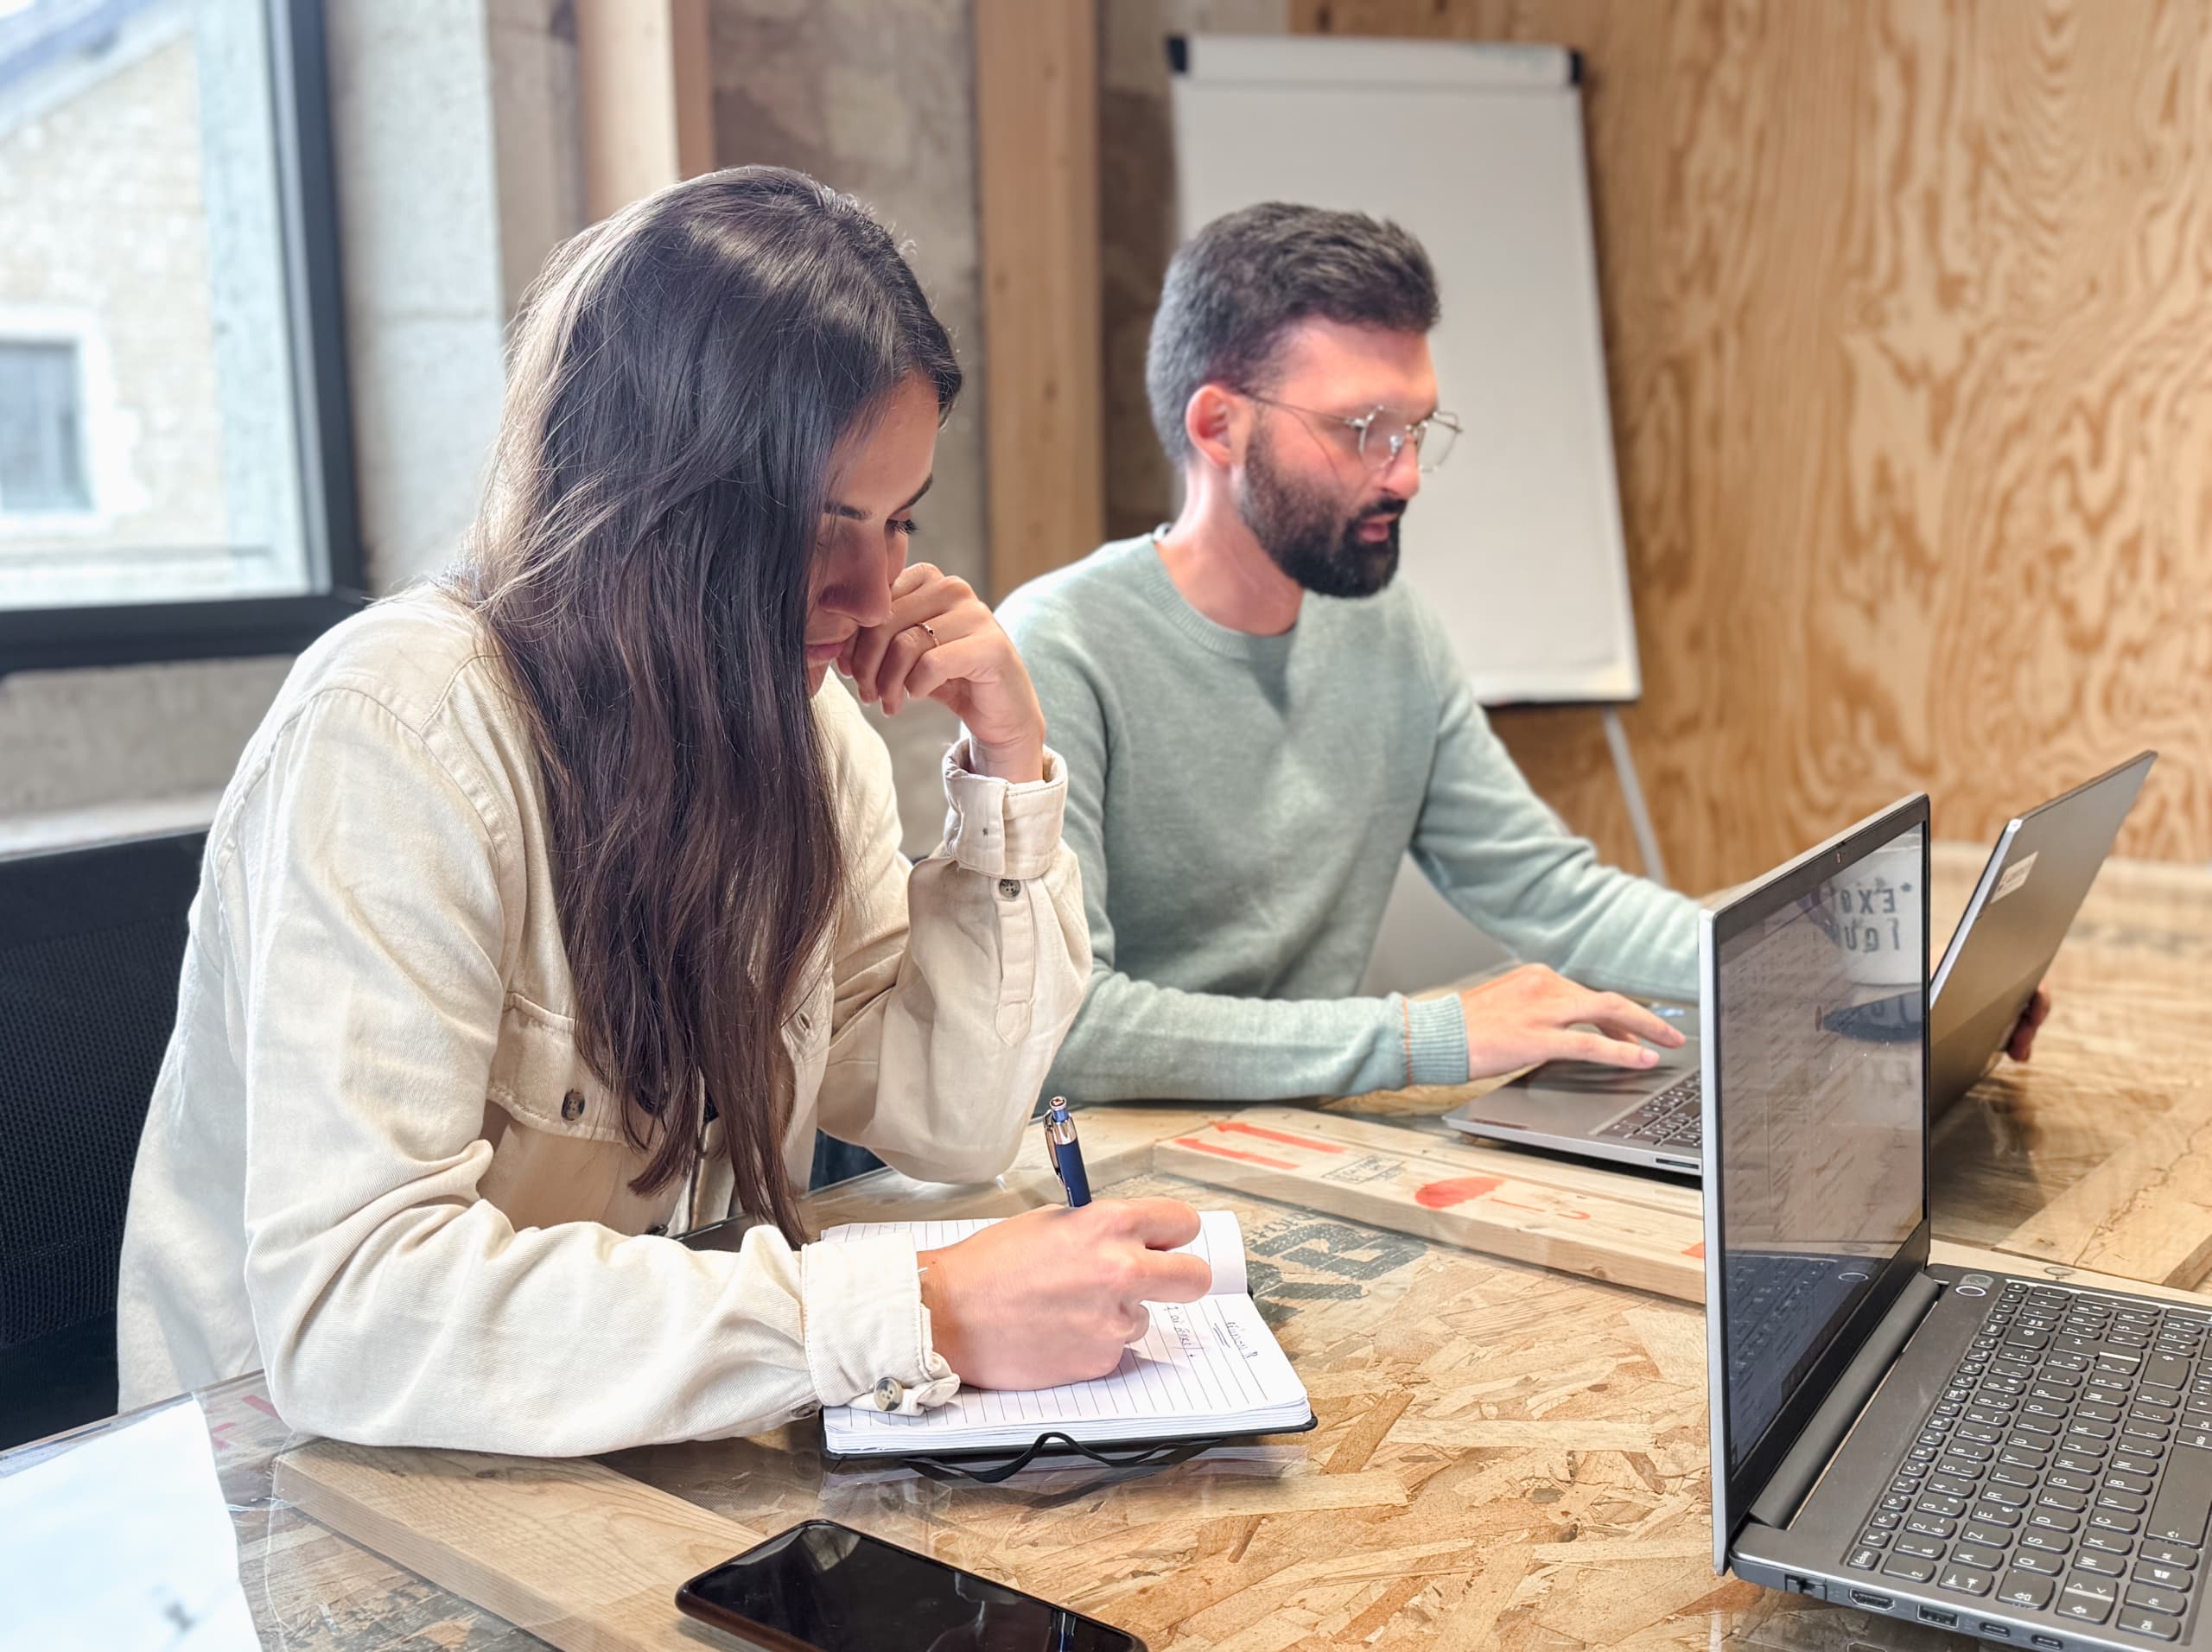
pixel 680 375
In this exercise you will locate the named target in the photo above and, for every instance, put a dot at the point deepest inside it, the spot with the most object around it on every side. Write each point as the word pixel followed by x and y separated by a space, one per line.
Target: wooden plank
pixel 2145 1213
pixel 1526 1209
pixel 576 1553
pixel 1037 185
pixel 1469 1155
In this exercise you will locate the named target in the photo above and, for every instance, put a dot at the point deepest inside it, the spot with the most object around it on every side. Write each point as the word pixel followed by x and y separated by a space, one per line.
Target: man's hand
pixel 943 643
pixel 1053 1295
pixel 1533 1014
pixel 2022 1040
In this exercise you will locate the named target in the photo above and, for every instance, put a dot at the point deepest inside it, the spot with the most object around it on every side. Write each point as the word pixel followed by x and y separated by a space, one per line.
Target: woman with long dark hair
pixel 553 907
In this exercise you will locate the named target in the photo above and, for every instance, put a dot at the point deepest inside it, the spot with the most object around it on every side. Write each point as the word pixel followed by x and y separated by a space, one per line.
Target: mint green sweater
pixel 1239 805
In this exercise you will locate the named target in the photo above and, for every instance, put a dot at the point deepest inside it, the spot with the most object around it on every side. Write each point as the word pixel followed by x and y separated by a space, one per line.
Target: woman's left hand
pixel 943 643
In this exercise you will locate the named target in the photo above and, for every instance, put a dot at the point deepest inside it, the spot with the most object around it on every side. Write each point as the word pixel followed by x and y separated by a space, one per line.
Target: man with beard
pixel 1259 724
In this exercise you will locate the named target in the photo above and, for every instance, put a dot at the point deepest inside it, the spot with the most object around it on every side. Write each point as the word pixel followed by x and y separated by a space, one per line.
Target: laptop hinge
pixel 1793 1478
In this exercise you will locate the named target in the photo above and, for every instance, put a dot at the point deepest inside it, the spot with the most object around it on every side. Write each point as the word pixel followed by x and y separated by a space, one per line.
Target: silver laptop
pixel 2023 1461
pixel 2029 892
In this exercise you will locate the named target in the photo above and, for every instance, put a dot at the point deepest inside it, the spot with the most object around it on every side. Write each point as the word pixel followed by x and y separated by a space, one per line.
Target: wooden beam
pixel 1604 1226
pixel 1037 180
pixel 646 78
pixel 582 1557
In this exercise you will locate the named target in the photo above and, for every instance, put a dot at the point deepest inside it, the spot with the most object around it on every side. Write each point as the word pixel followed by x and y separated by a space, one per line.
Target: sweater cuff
pixel 1436 1040
pixel 868 1334
pixel 1000 828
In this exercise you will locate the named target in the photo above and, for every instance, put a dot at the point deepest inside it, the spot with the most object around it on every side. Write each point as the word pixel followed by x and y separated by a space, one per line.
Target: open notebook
pixel 1206 1369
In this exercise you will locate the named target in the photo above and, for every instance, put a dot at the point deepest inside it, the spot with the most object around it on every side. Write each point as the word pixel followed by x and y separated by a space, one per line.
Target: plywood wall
pixel 1909 309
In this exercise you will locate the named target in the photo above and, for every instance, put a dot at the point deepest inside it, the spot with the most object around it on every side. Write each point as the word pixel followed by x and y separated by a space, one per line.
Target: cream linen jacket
pixel 375 1166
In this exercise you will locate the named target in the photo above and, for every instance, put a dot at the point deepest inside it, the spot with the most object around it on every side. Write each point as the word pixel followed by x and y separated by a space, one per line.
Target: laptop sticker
pixel 2015 875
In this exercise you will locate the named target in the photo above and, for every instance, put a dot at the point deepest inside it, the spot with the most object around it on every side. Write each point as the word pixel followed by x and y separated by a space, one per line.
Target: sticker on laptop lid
pixel 2015 875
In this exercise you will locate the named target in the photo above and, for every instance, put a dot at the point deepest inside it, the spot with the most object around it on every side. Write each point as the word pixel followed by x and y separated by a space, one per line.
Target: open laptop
pixel 2029 892
pixel 2019 1460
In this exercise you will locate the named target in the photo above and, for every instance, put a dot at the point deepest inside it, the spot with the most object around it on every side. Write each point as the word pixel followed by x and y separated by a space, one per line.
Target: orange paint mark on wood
pixel 1283 1136
pixel 1696 1250
pixel 1457 1189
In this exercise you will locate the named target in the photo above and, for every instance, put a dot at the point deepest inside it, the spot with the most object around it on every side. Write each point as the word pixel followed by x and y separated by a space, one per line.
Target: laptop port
pixel 1797 1585
pixel 1864 1597
pixel 1994 1632
pixel 2051 1640
pixel 1933 1615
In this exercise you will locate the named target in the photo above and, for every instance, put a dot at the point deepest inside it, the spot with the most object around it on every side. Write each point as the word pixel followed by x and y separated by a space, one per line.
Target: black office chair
pixel 92 941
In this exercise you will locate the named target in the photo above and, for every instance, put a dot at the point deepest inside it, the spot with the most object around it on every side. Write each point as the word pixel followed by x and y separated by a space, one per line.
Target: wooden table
pixel 1510 1454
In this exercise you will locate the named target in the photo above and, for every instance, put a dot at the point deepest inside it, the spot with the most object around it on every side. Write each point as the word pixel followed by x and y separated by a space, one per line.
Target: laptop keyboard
pixel 2066 1468
pixel 1670 1119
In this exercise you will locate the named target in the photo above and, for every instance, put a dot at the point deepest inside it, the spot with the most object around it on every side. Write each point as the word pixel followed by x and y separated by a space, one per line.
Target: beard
pixel 1305 532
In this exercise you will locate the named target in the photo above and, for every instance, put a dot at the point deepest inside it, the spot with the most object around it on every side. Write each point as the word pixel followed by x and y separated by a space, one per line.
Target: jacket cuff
pixel 1000 829
pixel 868 1334
pixel 1436 1040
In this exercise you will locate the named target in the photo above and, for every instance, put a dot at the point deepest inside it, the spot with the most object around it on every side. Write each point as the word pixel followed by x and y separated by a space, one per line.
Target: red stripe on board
pixel 1233 1152
pixel 1696 1250
pixel 1283 1136
pixel 1442 1196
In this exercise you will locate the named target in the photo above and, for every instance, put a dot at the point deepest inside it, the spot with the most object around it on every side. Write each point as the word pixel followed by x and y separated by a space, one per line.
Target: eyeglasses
pixel 1384 433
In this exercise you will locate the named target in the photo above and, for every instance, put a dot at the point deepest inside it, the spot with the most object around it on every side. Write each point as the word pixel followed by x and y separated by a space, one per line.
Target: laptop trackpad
pixel 1578 1097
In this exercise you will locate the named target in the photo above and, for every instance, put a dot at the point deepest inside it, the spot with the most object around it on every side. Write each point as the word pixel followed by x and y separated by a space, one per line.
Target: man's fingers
pixel 1159 1224
pixel 1171 1276
pixel 1595 1047
pixel 1624 1017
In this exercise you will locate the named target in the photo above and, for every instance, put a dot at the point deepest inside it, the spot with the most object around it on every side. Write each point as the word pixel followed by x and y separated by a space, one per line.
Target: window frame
pixel 248 626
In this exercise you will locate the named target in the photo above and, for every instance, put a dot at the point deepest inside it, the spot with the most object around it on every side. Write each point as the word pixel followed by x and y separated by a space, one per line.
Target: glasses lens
pixel 1385 434
pixel 1436 443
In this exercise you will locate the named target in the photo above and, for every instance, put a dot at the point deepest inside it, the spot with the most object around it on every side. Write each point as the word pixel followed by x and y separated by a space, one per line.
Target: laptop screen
pixel 1820 1074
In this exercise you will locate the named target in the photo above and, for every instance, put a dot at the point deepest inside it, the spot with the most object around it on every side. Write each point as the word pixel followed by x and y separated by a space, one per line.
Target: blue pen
pixel 1067 1154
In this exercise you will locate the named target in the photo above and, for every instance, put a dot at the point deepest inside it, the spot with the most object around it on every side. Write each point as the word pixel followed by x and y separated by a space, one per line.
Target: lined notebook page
pixel 1220 1243
pixel 1208 1367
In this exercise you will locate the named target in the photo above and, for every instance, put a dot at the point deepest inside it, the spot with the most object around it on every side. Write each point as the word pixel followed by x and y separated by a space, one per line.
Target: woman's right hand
pixel 1053 1295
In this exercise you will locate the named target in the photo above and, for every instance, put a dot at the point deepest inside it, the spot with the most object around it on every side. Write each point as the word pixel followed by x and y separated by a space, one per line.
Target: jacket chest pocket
pixel 540 1081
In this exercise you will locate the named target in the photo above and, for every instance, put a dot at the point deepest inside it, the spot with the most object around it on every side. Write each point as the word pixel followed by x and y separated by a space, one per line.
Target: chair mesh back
pixel 92 942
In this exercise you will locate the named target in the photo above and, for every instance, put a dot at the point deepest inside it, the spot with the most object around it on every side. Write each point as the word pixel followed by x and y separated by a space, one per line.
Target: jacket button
pixel 1009 888
pixel 572 1106
pixel 890 1393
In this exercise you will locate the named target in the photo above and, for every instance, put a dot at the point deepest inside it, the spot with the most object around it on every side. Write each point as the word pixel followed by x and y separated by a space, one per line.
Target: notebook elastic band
pixel 1148 1457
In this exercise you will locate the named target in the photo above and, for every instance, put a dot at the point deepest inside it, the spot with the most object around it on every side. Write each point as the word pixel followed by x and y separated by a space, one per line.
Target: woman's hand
pixel 1533 1013
pixel 943 643
pixel 1053 1295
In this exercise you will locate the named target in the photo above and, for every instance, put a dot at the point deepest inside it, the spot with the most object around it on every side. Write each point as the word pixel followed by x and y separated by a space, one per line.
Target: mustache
pixel 1388 510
